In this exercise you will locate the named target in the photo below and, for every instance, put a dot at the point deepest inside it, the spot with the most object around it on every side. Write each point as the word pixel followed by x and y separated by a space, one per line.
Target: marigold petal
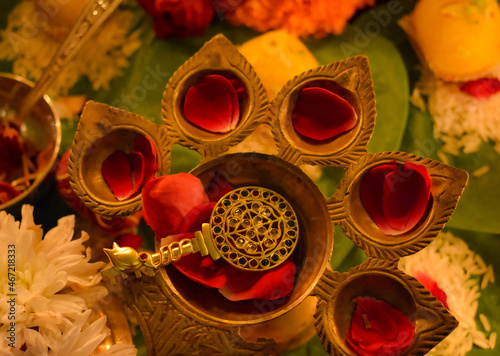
pixel 117 173
pixel 322 115
pixel 212 104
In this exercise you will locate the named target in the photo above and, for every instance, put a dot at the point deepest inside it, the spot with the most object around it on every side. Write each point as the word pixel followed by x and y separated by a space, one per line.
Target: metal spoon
pixel 92 16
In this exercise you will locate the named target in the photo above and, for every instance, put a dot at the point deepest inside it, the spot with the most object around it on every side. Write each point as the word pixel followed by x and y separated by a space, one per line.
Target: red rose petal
pixel 481 88
pixel 239 88
pixel 378 328
pixel 116 171
pixel 218 187
pixel 432 287
pixel 396 196
pixel 138 170
pixel 145 146
pixel 198 268
pixel 180 18
pixel 10 150
pixel 321 115
pixel 129 240
pixel 196 217
pixel 371 193
pixel 212 104
pixel 7 192
pixel 406 194
pixel 272 284
pixel 168 199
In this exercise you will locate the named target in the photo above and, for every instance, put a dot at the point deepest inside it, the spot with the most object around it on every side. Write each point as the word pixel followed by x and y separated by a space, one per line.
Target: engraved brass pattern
pixel 168 330
pixel 162 297
pixel 380 279
pixel 254 228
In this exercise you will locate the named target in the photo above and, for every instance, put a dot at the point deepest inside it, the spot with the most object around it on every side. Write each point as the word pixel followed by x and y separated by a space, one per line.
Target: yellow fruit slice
pixel 458 39
pixel 277 57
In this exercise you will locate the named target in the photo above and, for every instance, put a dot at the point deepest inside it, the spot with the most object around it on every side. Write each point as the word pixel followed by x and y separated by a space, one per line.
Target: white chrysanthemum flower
pixel 460 274
pixel 47 288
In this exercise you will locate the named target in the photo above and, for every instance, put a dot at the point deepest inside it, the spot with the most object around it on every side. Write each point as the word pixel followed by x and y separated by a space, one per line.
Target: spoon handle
pixel 92 16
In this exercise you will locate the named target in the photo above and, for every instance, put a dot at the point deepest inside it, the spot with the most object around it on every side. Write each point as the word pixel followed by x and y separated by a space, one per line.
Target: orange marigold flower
pixel 300 17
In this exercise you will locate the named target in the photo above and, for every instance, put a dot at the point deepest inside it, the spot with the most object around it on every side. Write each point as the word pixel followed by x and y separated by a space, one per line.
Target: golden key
pixel 252 228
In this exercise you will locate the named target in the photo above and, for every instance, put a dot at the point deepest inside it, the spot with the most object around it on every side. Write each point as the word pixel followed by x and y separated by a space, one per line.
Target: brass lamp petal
pixel 349 79
pixel 102 130
pixel 347 210
pixel 382 280
pixel 217 56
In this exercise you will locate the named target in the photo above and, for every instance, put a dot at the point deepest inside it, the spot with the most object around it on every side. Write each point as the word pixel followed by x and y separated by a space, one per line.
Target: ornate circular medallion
pixel 254 228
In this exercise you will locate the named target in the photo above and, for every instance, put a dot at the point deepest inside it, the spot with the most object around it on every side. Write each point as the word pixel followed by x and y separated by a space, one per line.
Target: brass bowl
pixel 311 256
pixel 42 128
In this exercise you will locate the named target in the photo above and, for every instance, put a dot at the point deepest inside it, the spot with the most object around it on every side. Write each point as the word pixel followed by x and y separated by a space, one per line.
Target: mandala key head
pixel 254 228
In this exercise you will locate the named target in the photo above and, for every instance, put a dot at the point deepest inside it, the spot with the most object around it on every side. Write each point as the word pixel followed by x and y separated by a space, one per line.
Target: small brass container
pixel 41 127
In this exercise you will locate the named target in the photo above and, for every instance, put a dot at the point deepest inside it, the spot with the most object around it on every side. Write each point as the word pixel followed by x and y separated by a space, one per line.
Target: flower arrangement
pixel 54 287
pixel 302 18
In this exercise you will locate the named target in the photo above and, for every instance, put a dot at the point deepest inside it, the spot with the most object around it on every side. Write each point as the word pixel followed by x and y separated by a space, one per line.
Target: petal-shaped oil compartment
pixel 382 281
pixel 197 80
pixel 103 130
pixel 347 208
pixel 339 120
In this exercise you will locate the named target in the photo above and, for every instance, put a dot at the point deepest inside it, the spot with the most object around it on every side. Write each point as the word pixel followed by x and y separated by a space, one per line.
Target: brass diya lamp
pixel 274 199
